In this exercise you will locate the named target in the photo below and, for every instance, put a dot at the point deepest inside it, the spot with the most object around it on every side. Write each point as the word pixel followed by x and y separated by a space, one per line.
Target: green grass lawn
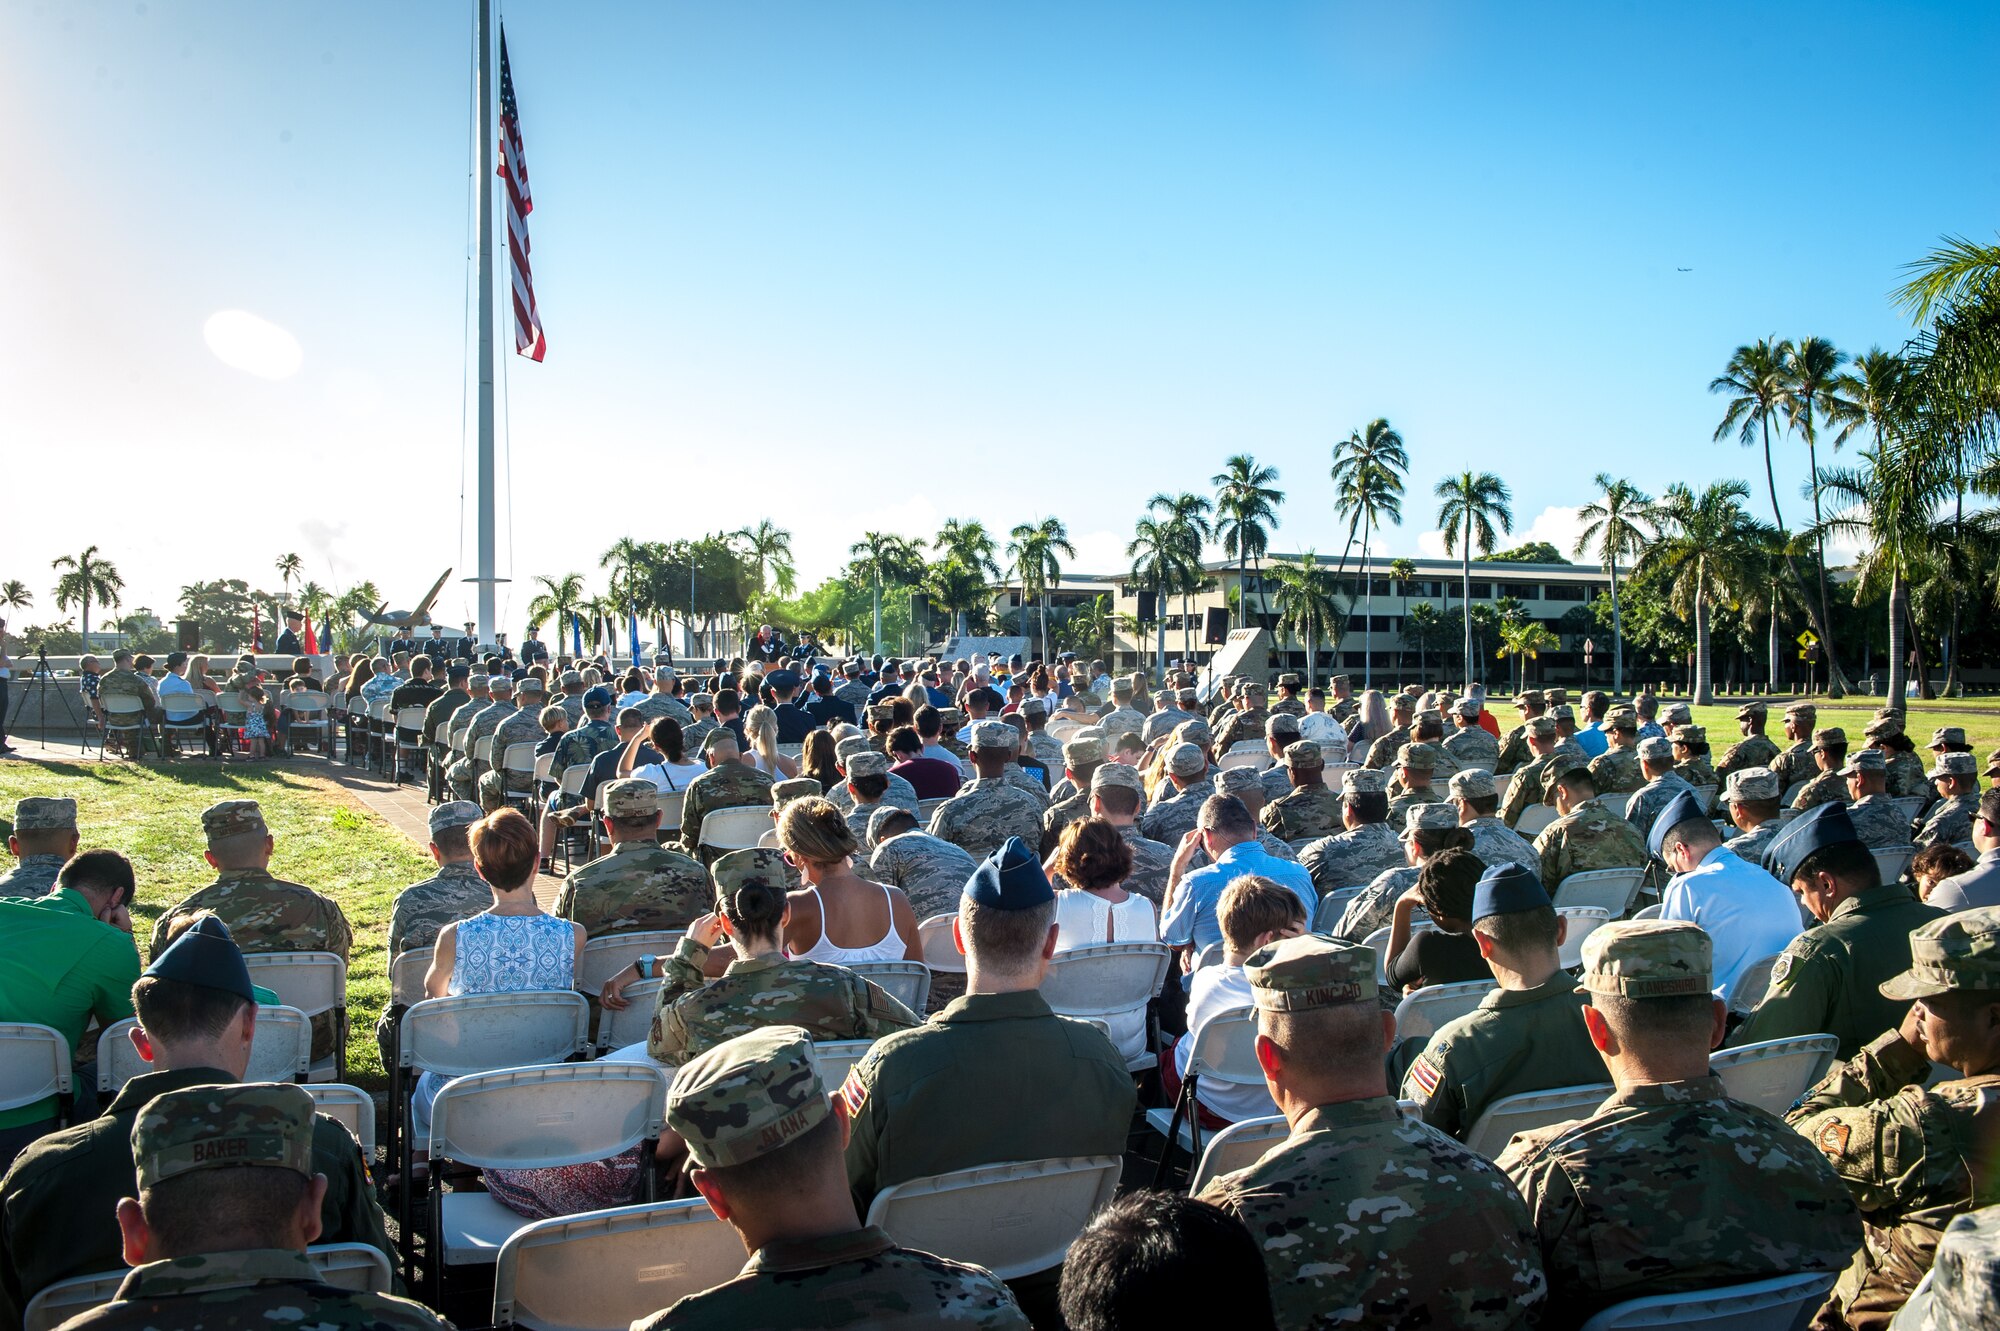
pixel 325 839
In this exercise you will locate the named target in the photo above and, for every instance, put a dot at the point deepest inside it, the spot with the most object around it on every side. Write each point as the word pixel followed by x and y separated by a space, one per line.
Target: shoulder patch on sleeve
pixel 1782 970
pixel 1425 1076
pixel 854 1092
pixel 1833 1139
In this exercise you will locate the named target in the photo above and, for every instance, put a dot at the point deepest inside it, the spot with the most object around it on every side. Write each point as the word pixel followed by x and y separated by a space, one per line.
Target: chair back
pixel 410 718
pixel 1332 906
pixel 406 975
pixel 671 802
pixel 350 1266
pixel 941 954
pixel 520 758
pixel 736 828
pixel 349 1106
pixel 312 982
pixel 925 808
pixel 1651 912
pixel 836 1058
pixel 1891 861
pixel 544 763
pixel 1424 1010
pixel 1333 772
pixel 1751 982
pixel 1705 797
pixel 551 1274
pixel 1256 760
pixel 1105 978
pixel 456 736
pixel 468 1033
pixel 1773 1074
pixel 1583 922
pixel 280 1050
pixel 34 1063
pixel 381 711
pixel 1379 940
pixel 573 776
pixel 605 957
pixel 547 1117
pixel 305 703
pixel 356 1267
pixel 1612 889
pixel 1762 1305
pixel 908 982
pixel 1013 1219
pixel 1533 819
pixel 791 750
pixel 633 1022
pixel 121 704
pixel 1238 1146
pixel 1533 1109
pixel 482 750
pixel 1225 1049
pixel 1909 806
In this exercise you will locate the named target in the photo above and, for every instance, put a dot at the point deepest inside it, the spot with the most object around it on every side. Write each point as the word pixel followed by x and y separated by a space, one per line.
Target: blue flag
pixel 575 635
pixel 635 640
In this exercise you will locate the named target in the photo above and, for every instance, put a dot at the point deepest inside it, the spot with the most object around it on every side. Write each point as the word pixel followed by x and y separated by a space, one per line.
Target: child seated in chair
pixel 1252 911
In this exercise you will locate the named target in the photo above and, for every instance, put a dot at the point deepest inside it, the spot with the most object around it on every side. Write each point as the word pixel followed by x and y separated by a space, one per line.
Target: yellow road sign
pixel 1808 639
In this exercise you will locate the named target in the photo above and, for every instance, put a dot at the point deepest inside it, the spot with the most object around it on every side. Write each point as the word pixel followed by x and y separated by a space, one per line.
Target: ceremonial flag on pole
pixel 635 640
pixel 311 643
pixel 528 339
pixel 256 627
pixel 575 635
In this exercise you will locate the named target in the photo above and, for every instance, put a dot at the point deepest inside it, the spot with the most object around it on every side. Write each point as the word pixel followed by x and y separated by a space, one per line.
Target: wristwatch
pixel 645 966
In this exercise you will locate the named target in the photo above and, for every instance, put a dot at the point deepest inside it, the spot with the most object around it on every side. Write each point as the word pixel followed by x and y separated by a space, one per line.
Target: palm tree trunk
pixel 878 615
pixel 1045 626
pixel 1837 682
pixel 1772 682
pixel 1899 651
pixel 1916 639
pixel 1367 611
pixel 1617 635
pixel 1465 576
pixel 1957 599
pixel 1160 626
pixel 1702 691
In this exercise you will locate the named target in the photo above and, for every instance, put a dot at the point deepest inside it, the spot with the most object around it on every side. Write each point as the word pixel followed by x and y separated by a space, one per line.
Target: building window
pixel 1566 591
pixel 1482 591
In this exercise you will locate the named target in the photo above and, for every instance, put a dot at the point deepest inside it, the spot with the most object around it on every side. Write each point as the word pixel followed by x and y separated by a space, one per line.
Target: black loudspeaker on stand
pixel 1217 627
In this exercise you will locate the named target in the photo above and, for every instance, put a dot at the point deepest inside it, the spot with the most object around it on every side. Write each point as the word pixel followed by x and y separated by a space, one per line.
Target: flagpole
pixel 483 175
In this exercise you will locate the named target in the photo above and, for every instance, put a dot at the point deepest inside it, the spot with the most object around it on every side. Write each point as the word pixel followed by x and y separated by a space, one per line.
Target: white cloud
pixel 1557 525
pixel 245 342
pixel 1431 544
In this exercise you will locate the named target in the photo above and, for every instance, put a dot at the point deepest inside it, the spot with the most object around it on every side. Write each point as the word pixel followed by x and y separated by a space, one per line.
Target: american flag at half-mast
pixel 528 340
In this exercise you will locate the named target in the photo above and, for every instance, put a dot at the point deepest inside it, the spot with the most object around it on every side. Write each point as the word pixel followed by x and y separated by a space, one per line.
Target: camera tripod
pixel 47 676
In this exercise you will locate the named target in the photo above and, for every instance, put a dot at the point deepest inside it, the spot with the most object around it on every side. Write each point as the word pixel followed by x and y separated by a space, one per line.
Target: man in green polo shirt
pixel 65 958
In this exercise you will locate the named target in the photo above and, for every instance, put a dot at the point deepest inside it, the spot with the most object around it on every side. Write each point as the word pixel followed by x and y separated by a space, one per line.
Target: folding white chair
pixel 1583 922
pixel 234 717
pixel 1108 980
pixel 1013 1219
pixel 1423 1011
pixel 382 732
pixel 482 750
pixel 1533 1109
pixel 1255 761
pixel 280 1050
pixel 1225 1051
pixel 1533 819
pixel 409 740
pixel 941 954
pixel 406 975
pixel 195 726
pixel 1332 773
pixel 1379 940
pixel 352 1108
pixel 309 715
pixel 925 808
pixel 908 982
pixel 605 957
pixel 457 744
pixel 1909 806
pixel 1890 861
pixel 1705 797
pixel 1782 1303
pixel 550 1275
pixel 528 1118
pixel 1334 905
pixel 1773 1074
pixel 633 1022
pixel 125 718
pixel 1613 889
pixel 350 1266
pixel 1751 983
pixel 34 1065
pixel 735 829
pixel 312 982
pixel 836 1058
pixel 791 750
pixel 357 1267
pixel 517 767
pixel 1238 1146
pixel 670 809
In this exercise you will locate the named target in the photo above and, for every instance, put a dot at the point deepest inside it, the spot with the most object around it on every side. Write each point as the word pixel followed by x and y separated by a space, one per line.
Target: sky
pixel 867 266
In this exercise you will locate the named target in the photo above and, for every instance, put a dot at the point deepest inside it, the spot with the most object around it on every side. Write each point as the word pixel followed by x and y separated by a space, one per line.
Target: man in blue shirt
pixel 1590 737
pixel 1749 914
pixel 1228 832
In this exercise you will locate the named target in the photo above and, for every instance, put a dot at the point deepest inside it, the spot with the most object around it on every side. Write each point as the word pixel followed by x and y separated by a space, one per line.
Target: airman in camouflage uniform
pixel 988 809
pixel 1177 710
pixel 1492 840
pixel 584 743
pixel 1963 1291
pixel 1950 819
pixel 657 704
pixel 1176 806
pixel 1915 1156
pixel 729 783
pixel 1247 723
pixel 1588 837
pixel 572 698
pixel 261 1126
pixel 851 690
pixel 265 914
pixel 1150 859
pixel 1755 749
pixel 1526 787
pixel 860 767
pixel 524 726
pixel 1123 716
pixel 1757 785
pixel 901 793
pixel 39 819
pixel 1662 785
pixel 1616 771
pixel 931 872
pixel 1081 754
pixel 1828 786
pixel 1692 765
pixel 1281 730
pixel 1416 770
pixel 1289 703
pixel 1309 809
pixel 1382 753
pixel 1904 768
pixel 639 884
pixel 1361 852
pixel 125 682
pixel 464 773
pixel 1363 1215
pixel 455 892
pixel 437 727
pixel 702 707
pixel 1794 762
pixel 1376 905
pixel 1514 748
pixel 755 1095
pixel 1877 820
pixel 1342 704
pixel 1671 1185
pixel 1468 744
pixel 1565 718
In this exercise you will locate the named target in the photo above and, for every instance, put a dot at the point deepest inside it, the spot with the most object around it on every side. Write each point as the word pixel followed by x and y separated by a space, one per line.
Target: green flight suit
pixel 1515 1041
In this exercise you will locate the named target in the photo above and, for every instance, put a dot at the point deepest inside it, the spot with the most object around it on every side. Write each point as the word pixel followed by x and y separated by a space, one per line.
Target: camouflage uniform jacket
pixel 1793 764
pixel 1150 861
pixel 1017 777
pixel 1306 813
pixel 1697 772
pixel 694 1014
pixel 1750 751
pixel 637 885
pixel 1354 856
pixel 1649 799
pixel 1750 846
pixel 983 814
pixel 1829 978
pixel 486 723
pixel 1912 1156
pixel 1163 722
pixel 523 727
pixel 1494 843
pixel 1061 813
pixel 573 704
pixel 1674 1186
pixel 455 892
pixel 734 785
pixel 1878 822
pixel 1514 751
pixel 1365 1217
pixel 1382 753
pixel 932 873
pixel 857 1279
pixel 1277 783
pixel 126 683
pixel 1400 806
pixel 34 876
pixel 656 705
pixel 1569 748
pixel 1343 708
pixel 1121 719
pixel 437 718
pixel 857 815
pixel 1376 906
pixel 1048 751
pixel 1514 1042
pixel 1824 788
pixel 900 793
pixel 1242 726
pixel 1471 746
pixel 1907 775
pixel 1616 771
pixel 854 693
pixel 249 1291
pixel 1524 789
pixel 1288 706
pixel 695 732
pixel 582 745
pixel 1174 812
pixel 1589 838
pixel 1948 821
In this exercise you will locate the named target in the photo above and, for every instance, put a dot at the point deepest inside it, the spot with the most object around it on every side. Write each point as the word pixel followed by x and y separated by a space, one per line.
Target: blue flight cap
pixel 597 696
pixel 206 954
pixel 1011 878
pixel 1812 831
pixel 1507 888
pixel 457 673
pixel 783 680
pixel 1679 809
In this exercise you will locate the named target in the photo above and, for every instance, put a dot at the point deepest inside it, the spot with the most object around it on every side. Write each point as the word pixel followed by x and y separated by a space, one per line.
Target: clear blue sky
pixel 854 266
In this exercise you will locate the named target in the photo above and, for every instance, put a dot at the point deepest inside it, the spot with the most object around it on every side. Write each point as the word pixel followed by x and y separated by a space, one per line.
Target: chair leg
pixel 1183 1101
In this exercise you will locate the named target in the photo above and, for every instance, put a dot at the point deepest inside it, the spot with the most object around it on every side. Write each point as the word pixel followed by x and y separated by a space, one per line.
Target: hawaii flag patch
pixel 1425 1076
pixel 853 1093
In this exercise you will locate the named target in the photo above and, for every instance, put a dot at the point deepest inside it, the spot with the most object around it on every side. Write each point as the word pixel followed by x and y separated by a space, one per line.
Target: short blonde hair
pixel 553 717
pixel 816 831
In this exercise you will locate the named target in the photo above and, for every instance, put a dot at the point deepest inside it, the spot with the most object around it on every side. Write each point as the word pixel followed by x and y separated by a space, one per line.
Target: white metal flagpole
pixel 483 175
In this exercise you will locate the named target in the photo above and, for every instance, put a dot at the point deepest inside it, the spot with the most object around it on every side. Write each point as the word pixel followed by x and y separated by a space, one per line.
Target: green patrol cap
pixel 631 797
pixel 217 1127
pixel 1288 680
pixel 1562 711
pixel 1677 714
pixel 44 813
pixel 1830 737
pixel 793 788
pixel 1960 951
pixel 1531 698
pixel 1865 760
pixel 738 869
pixel 1622 717
pixel 1883 727
pixel 1541 727
pixel 748 1097
pixel 1311 971
pixel 233 818
pixel 1304 753
pixel 1946 736
pixel 1560 770
pixel 1418 757
pixel 719 735
pixel 1648 959
pixel 1690 735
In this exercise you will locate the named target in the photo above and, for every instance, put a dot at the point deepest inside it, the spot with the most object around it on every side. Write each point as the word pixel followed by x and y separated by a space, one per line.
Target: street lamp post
pixel 1589 650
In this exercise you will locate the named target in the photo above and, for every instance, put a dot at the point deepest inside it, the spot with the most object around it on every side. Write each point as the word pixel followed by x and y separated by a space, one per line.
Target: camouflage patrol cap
pixel 1363 781
pixel 1945 736
pixel 1952 764
pixel 1993 763
pixel 1752 711
pixel 1194 732
pixel 1959 951
pixel 1883 727
pixel 748 1097
pixel 995 736
pixel 701 702
pixel 1467 707
pixel 879 712
pixel 1473 783
pixel 631 797
pixel 1435 816
pixel 500 684
pixel 1186 697
pixel 530 684
pixel 1865 761
pixel 1677 714
pixel 568 678
pixel 1560 770
pixel 1289 680
pixel 1237 781
pixel 1121 687
pixel 1255 689
pixel 1098 733
pixel 1557 696
pixel 1648 959
pixel 1531 698
pixel 1831 737
pixel 1186 760
pixel 793 788
pixel 45 813
pixel 1656 749
pixel 719 735
pixel 869 763
pixel 1341 679
pixel 1689 734
pixel 1802 709
pixel 1430 716
pixel 1279 724
pixel 1562 711
pixel 844 749
pixel 1418 757
pixel 1034 707
pixel 1081 749
pixel 454 813
pixel 233 818
pixel 1118 774
pixel 757 866
pixel 1304 753
pixel 1964 1288
pixel 952 717
pixel 1309 972
pixel 1402 704
pixel 1622 717
pixel 878 821
pixel 1750 783
pixel 1541 727
pixel 261 1124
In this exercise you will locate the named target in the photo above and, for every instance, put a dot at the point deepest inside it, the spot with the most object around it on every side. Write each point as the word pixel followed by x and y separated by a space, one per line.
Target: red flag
pixel 514 170
pixel 256 628
pixel 311 643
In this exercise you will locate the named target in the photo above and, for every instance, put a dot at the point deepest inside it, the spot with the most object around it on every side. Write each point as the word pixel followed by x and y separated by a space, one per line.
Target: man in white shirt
pixel 1748 913
pixel 1979 885
pixel 1254 911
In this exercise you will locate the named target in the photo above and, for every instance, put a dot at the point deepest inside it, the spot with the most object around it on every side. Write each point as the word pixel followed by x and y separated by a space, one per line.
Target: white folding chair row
pixel 573 778
pixel 1751 982
pixel 1909 806
pixel 1651 912
pixel 1533 819
pixel 836 1058
pixel 355 1267
pixel 1224 1051
pixel 1613 889
pixel 941 954
pixel 550 1275
pixel 482 750
pixel 1379 940
pixel 1424 1011
pixel 190 725
pixel 735 828
pixel 671 802
pixel 1332 773
pixel 352 1108
pixel 1014 1219
pixel 1238 1146
pixel 1773 1074
pixel 1257 761
pixel 312 982
pixel 1582 921
pixel 605 957
pixel 1776 1304
pixel 908 982
pixel 34 1064
pixel 925 808
pixel 1334 905
pixel 1108 980
pixel 280 1050
pixel 1533 1109
pixel 310 712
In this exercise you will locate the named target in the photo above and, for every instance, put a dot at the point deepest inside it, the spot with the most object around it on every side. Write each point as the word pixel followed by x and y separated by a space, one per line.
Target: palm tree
pixel 627 558
pixel 1308 606
pixel 1809 382
pixel 1617 524
pixel 1708 550
pixel 959 589
pixel 1525 640
pixel 880 559
pixel 972 546
pixel 1156 554
pixel 558 599
pixel 1088 627
pixel 768 547
pixel 1034 548
pixel 288 568
pixel 1186 517
pixel 1245 501
pixel 14 594
pixel 89 580
pixel 1368 470
pixel 1474 504
pixel 1421 626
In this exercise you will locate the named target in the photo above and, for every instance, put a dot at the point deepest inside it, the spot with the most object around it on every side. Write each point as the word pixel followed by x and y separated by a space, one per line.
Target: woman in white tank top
pixel 839 916
pixel 1094 860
